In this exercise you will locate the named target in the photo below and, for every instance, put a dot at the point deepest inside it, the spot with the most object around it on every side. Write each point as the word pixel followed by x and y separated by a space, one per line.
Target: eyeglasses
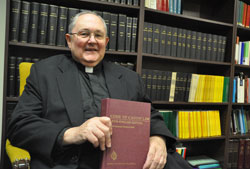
pixel 87 34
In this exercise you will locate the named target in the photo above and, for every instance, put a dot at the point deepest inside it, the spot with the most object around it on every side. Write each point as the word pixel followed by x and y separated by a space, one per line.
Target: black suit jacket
pixel 52 101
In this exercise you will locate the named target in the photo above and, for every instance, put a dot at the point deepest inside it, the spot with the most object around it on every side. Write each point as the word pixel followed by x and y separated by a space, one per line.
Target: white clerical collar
pixel 89 69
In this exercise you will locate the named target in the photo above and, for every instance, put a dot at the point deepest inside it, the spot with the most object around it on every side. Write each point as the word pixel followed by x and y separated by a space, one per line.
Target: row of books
pixel 241 92
pixel 47 24
pixel 203 161
pixel 192 124
pixel 125 2
pixel 172 6
pixel 242 52
pixel 243 14
pixel 172 41
pixel 14 78
pixel 239 154
pixel 185 87
pixel 240 122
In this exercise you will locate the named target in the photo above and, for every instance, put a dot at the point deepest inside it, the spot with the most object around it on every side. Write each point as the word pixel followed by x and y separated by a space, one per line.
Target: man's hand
pixel 157 154
pixel 97 130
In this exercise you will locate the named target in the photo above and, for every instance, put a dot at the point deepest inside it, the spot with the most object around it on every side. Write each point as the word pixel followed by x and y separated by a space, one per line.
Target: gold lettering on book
pixel 129 120
pixel 113 155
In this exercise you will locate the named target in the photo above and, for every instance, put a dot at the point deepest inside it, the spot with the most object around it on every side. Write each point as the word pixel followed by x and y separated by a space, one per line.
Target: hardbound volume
pixel 130 133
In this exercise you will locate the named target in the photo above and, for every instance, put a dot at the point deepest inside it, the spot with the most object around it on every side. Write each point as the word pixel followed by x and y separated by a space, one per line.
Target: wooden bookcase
pixel 208 16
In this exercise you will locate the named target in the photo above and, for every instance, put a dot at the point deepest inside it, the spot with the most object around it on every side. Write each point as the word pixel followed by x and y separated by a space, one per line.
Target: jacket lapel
pixel 113 81
pixel 69 87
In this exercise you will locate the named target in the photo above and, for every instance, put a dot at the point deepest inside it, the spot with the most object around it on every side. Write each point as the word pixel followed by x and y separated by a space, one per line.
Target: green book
pixel 225 90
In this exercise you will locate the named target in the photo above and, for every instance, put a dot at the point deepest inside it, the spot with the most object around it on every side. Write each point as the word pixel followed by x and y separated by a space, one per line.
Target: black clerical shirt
pixel 93 90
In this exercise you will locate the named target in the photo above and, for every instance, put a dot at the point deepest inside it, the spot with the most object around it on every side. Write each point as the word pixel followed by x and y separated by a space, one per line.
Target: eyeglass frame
pixel 87 36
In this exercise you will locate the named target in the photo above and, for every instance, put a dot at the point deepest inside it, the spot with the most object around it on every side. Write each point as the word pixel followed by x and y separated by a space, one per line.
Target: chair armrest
pixel 19 158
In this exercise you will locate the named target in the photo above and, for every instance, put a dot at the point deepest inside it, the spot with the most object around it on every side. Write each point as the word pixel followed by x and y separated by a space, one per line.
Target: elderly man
pixel 57 118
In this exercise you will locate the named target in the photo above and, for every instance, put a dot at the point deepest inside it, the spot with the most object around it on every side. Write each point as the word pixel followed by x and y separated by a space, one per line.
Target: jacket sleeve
pixel 29 128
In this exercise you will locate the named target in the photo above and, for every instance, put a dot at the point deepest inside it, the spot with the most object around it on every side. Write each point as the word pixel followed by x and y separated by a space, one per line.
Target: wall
pixel 2 47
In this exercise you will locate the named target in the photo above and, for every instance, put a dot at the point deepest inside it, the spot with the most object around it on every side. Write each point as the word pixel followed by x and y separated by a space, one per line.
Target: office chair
pixel 20 158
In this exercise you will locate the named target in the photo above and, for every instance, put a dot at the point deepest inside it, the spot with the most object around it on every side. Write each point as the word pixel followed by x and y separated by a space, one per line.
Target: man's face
pixel 88 46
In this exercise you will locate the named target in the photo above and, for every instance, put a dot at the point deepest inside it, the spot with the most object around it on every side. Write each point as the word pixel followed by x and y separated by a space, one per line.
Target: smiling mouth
pixel 90 50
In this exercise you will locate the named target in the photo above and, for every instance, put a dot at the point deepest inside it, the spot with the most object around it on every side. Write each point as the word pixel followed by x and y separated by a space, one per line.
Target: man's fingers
pixel 107 122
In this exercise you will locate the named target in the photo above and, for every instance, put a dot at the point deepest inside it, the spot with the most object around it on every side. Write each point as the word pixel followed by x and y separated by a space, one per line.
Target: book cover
pixel 122 19
pixel 24 22
pixel 42 24
pixel 130 133
pixel 52 24
pixel 134 35
pixel 128 34
pixel 33 24
pixel 62 26
pixel 113 31
pixel 14 19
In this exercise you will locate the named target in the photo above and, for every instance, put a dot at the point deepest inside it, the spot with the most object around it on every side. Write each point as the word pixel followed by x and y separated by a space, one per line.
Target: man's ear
pixel 68 39
pixel 107 40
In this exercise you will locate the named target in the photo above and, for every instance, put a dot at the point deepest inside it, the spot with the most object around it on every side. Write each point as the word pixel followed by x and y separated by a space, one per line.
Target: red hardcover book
pixel 241 154
pixel 158 5
pixel 130 133
pixel 164 5
pixel 247 154
pixel 248 16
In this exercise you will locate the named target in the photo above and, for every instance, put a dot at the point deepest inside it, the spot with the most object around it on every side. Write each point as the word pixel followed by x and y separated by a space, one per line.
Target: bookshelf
pixel 207 16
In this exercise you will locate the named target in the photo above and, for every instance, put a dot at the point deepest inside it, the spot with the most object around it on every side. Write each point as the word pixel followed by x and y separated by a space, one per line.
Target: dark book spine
pixel 168 41
pixel 187 88
pixel 121 32
pixel 150 36
pixel 178 84
pixel 136 2
pixel 149 82
pixel 209 47
pixel 159 85
pixel 174 42
pixel 129 2
pixel 43 22
pixel 188 44
pixel 144 74
pixel 162 39
pixel 247 154
pixel 62 26
pixel 145 37
pixel 52 25
pixel 223 48
pixel 110 0
pixel 128 34
pixel 198 45
pixel 18 61
pixel 14 19
pixel 11 76
pixel 113 31
pixel 214 47
pixel 24 22
pixel 106 17
pixel 183 46
pixel 154 85
pixel 179 42
pixel 34 60
pixel 117 1
pixel 203 46
pixel 241 154
pixel 156 36
pixel 122 2
pixel 134 35
pixel 168 85
pixel 33 25
pixel 71 13
pixel 163 85
pixel 193 45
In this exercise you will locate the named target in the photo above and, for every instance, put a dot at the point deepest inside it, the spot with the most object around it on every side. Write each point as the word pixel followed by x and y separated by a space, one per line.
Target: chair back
pixel 24 71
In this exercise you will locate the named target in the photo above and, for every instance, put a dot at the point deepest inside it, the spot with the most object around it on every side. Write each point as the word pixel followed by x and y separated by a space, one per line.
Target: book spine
pixel 128 34
pixel 162 39
pixel 150 36
pixel 113 31
pixel 179 42
pixel 168 40
pixel 214 47
pixel 188 44
pixel 134 34
pixel 174 42
pixel 71 13
pixel 43 22
pixel 24 22
pixel 14 19
pixel 121 32
pixel 136 2
pixel 203 46
pixel 106 17
pixel 11 76
pixel 209 47
pixel 193 45
pixel 145 37
pixel 183 45
pixel 62 26
pixel 156 35
pixel 241 155
pixel 33 25
pixel 198 46
pixel 52 24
